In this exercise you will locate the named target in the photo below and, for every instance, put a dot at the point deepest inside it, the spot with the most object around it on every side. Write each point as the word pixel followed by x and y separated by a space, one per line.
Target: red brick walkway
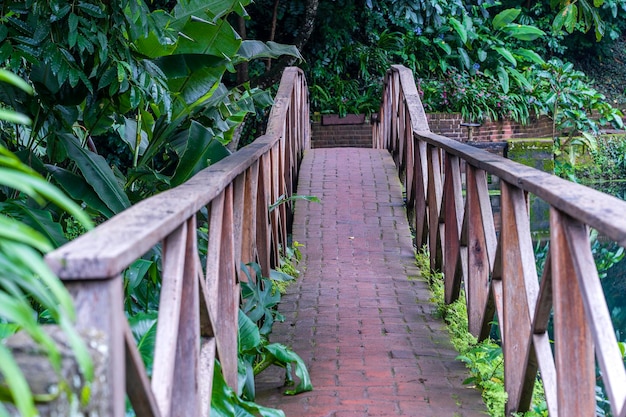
pixel 359 315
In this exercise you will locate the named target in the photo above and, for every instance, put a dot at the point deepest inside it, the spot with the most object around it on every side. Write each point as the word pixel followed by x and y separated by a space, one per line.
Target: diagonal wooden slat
pixel 597 313
pixel 541 343
pixel 453 207
pixel 169 318
pixel 137 383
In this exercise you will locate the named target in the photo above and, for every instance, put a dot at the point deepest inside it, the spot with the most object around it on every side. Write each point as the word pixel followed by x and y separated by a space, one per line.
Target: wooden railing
pixel 198 307
pixel 453 215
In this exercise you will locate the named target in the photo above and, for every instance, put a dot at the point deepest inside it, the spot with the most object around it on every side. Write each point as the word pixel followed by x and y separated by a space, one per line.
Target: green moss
pixel 535 153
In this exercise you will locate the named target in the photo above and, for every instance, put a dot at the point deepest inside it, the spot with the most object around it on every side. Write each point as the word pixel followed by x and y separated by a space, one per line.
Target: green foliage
pixel 27 286
pixel 256 318
pixel 484 360
pixel 123 75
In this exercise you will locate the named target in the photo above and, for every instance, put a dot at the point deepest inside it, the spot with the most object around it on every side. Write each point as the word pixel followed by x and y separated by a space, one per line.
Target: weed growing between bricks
pixel 483 359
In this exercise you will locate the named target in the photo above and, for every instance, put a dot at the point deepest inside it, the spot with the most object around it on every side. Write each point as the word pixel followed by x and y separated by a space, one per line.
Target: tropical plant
pixel 120 75
pixel 29 291
pixel 577 109
pixel 257 316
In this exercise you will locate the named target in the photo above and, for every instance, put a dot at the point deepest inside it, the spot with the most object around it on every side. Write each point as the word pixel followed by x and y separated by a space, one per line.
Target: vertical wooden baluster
pixel 410 163
pixel 186 395
pixel 573 343
pixel 263 233
pixel 435 194
pixel 421 187
pixel 169 318
pixel 239 192
pixel 250 217
pixel 453 207
pixel 520 290
pixel 481 252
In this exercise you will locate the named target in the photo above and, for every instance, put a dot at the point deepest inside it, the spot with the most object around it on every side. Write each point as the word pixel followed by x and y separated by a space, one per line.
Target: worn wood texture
pixel 198 312
pixel 573 343
pixel 499 271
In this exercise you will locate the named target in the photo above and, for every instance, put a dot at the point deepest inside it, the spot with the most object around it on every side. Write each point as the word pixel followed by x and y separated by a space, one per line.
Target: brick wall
pixel 342 133
pixel 357 133
pixel 449 124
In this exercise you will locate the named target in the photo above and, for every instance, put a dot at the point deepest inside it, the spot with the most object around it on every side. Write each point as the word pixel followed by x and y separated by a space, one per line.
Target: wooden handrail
pixel 198 306
pixel 452 214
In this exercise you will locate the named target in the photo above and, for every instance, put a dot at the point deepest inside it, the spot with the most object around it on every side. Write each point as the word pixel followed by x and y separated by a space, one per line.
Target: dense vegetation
pixel 113 101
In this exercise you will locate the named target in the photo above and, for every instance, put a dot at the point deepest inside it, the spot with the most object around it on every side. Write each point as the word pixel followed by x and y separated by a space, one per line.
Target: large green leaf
pixel 192 76
pixel 567 17
pixel 522 81
pixel 77 188
pixel 459 28
pixel 505 17
pixel 40 220
pixel 523 32
pixel 201 150
pixel 249 336
pixel 287 356
pixel 506 54
pixel 98 174
pixel 226 403
pixel 16 231
pixel 143 327
pixel 253 49
pixel 530 55
pixel 210 10
pixel 17 384
pixel 503 76
pixel 443 45
pixel 218 39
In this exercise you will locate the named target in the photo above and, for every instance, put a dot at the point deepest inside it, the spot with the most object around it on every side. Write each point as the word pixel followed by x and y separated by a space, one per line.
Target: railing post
pixel 573 343
pixel 104 296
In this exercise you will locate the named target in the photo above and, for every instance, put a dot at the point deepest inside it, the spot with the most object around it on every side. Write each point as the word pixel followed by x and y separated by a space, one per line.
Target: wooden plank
pixel 520 288
pixel 207 364
pixel 186 395
pixel 213 260
pixel 478 258
pixel 545 359
pixel 413 102
pixel 421 186
pixel 572 337
pixel 227 319
pixel 169 318
pixel 105 297
pixel 597 313
pixel 239 191
pixel 453 207
pixel 434 196
pixel 249 233
pixel 137 382
pixel 263 232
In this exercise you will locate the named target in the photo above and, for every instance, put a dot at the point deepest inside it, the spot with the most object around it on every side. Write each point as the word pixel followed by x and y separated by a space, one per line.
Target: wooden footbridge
pixel 360 315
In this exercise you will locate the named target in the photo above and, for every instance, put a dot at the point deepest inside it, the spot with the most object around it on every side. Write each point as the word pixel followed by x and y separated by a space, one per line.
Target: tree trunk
pixel 242 69
pixel 302 37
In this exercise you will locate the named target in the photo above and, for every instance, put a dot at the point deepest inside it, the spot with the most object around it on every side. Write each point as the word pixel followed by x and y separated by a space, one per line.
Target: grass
pixel 484 360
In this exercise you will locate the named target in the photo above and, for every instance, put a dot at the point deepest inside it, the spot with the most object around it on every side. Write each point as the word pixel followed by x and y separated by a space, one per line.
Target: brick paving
pixel 360 315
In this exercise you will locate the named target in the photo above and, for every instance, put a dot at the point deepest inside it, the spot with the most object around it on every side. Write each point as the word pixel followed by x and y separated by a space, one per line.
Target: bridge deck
pixel 359 315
